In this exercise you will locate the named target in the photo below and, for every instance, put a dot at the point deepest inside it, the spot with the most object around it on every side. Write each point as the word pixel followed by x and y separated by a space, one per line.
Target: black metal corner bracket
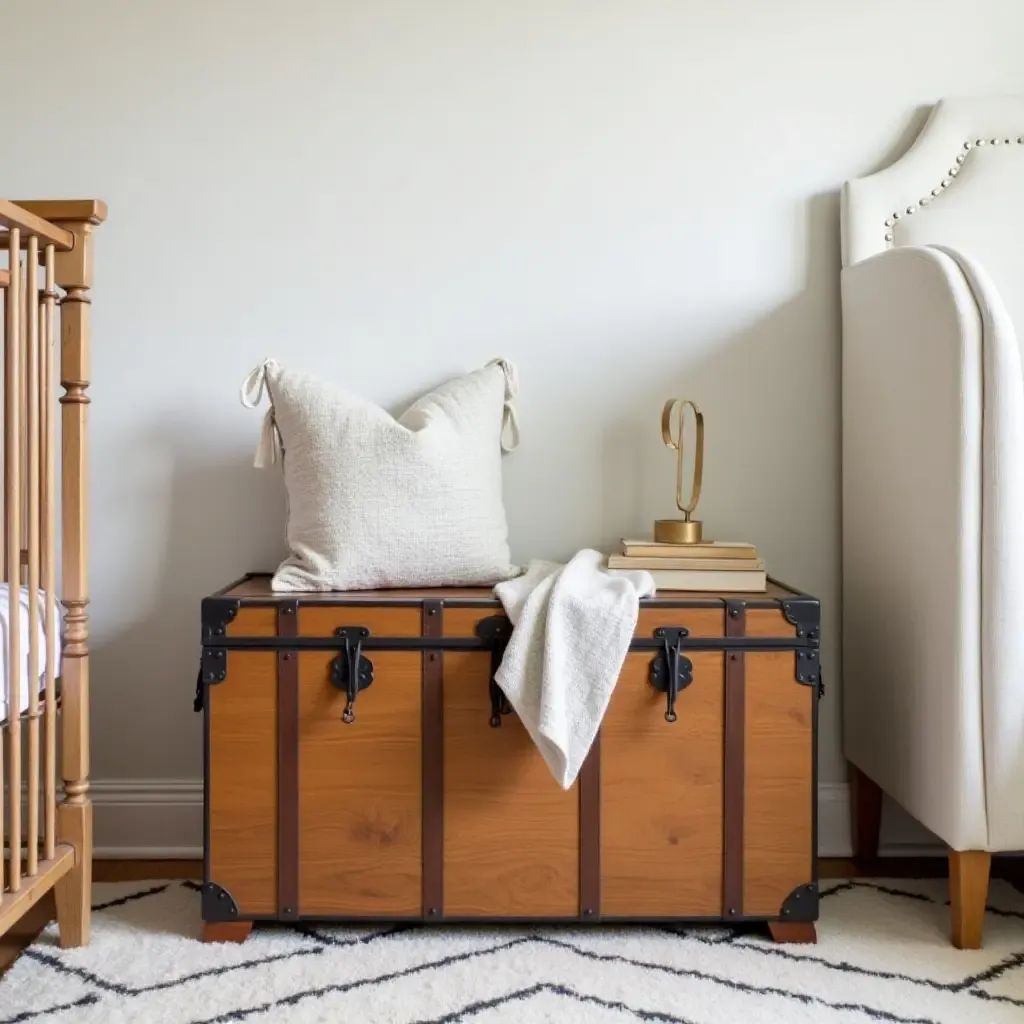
pixel 213 669
pixel 214 665
pixel 216 613
pixel 351 670
pixel 495 631
pixel 808 667
pixel 801 904
pixel 217 903
pixel 805 614
pixel 670 670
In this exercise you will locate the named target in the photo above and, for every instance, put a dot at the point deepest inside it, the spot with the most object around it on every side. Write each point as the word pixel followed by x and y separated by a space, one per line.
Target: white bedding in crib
pixel 23 630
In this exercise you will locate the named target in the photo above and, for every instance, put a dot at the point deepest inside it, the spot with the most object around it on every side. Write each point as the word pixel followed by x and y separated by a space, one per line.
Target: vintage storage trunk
pixel 362 765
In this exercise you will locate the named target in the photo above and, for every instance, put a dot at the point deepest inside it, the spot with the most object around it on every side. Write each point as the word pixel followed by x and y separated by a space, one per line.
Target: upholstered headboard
pixel 961 184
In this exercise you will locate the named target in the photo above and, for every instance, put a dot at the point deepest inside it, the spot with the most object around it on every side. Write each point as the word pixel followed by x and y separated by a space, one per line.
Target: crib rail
pixel 43 245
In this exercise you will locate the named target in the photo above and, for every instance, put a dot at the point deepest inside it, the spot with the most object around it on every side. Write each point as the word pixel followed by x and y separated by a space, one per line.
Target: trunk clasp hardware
pixel 671 671
pixel 351 670
pixel 497 629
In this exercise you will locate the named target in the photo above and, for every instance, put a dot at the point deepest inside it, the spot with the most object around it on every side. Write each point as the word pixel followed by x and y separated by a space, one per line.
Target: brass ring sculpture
pixel 685 530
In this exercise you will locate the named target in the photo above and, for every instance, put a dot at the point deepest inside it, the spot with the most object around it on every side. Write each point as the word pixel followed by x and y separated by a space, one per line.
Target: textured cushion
pixel 379 502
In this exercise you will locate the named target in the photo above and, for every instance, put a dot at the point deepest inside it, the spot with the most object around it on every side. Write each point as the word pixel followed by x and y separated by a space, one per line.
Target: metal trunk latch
pixel 671 671
pixel 351 671
pixel 497 629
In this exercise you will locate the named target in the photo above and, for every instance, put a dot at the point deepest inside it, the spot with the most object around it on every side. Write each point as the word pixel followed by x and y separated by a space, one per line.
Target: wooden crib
pixel 45 829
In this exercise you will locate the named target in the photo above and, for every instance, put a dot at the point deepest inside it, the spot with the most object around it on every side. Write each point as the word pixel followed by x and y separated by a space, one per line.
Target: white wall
pixel 632 200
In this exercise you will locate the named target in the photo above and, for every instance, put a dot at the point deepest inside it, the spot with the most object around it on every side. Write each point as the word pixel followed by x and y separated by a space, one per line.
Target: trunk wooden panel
pixel 661 795
pixel 778 812
pixel 243 781
pixel 462 622
pixel 699 621
pixel 494 836
pixel 325 619
pixel 253 622
pixel 511 832
pixel 360 825
pixel 768 622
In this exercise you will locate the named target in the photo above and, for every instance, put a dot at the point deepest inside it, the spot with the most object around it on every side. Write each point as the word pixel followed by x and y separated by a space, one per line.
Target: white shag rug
pixel 883 955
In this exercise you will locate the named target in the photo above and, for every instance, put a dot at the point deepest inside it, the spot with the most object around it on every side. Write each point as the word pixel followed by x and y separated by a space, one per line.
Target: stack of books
pixel 712 565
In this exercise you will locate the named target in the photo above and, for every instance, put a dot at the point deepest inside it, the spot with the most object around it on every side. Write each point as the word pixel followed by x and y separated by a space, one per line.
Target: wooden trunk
pixel 432 802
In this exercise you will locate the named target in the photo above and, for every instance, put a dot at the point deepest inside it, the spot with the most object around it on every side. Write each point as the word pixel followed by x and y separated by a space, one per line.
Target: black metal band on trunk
pixel 590 832
pixel 433 765
pixel 288 767
pixel 733 765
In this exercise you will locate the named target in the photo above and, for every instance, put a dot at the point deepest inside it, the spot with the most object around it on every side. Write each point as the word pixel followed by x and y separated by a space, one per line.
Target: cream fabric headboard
pixel 961 184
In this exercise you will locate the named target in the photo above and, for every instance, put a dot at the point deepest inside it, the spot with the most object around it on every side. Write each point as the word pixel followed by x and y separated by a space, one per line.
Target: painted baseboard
pixel 163 819
pixel 148 818
pixel 902 836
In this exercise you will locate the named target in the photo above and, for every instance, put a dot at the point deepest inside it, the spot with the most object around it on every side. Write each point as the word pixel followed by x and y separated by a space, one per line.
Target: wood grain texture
pixel 14 905
pixel 968 892
pixel 13 498
pixel 360 840
pixel 50 554
pixel 253 622
pixel 257 585
pixel 58 211
pixel 243 781
pixel 699 621
pixel 462 622
pixel 661 795
pixel 73 893
pixel 34 225
pixel 865 815
pixel 324 620
pixel 74 272
pixel 226 931
pixel 777 821
pixel 511 832
pixel 768 622
pixel 793 931
pixel 25 931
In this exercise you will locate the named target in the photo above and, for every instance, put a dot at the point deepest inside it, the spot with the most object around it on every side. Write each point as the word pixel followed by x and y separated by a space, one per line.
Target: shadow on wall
pixel 771 397
pixel 221 518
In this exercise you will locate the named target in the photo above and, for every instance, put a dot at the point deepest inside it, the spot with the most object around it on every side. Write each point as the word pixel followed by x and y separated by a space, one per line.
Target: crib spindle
pixel 47 407
pixel 12 465
pixel 5 290
pixel 32 531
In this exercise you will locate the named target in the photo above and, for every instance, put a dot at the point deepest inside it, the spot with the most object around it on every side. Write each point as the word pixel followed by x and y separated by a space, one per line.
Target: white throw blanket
pixel 572 626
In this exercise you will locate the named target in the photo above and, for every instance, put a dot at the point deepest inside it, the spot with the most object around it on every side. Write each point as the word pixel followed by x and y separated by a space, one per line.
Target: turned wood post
pixel 74 816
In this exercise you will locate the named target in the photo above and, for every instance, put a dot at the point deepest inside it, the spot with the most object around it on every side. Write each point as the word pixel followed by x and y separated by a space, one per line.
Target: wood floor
pixel 25 932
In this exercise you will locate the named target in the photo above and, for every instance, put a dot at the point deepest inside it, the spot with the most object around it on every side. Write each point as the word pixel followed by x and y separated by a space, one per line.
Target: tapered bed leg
pixel 73 893
pixel 865 816
pixel 968 893
pixel 226 931
pixel 793 931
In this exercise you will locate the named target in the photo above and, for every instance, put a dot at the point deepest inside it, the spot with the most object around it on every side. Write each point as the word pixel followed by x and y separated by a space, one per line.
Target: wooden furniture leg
pixel 968 892
pixel 74 816
pixel 865 816
pixel 226 931
pixel 73 893
pixel 793 931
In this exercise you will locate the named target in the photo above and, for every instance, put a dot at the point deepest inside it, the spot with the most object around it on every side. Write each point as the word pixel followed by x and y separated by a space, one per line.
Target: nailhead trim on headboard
pixel 890 221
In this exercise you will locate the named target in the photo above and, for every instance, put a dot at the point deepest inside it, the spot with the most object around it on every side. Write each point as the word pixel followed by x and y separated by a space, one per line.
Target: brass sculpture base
pixel 678 531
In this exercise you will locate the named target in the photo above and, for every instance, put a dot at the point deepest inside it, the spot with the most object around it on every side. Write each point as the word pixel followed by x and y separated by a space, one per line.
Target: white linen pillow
pixel 379 502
